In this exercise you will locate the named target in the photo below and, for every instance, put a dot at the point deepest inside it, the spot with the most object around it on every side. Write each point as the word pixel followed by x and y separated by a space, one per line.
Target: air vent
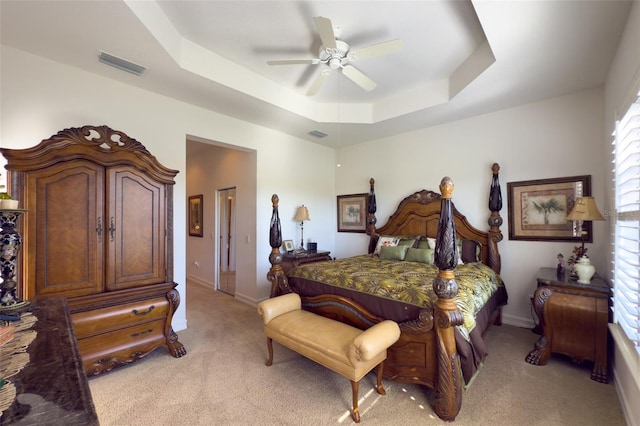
pixel 121 64
pixel 317 134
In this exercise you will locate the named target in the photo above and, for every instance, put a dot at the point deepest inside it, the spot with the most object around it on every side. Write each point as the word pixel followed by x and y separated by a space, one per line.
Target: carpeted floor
pixel 223 380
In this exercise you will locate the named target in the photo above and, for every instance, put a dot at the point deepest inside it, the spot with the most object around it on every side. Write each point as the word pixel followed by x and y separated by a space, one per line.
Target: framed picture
pixel 538 209
pixel 288 245
pixel 195 215
pixel 352 213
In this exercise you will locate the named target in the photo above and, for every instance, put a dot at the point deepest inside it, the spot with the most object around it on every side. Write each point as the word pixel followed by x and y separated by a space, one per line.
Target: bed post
pixel 495 221
pixel 371 209
pixel 449 384
pixel 276 274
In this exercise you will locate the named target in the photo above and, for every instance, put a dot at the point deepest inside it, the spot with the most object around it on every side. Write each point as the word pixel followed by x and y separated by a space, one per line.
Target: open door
pixel 227 241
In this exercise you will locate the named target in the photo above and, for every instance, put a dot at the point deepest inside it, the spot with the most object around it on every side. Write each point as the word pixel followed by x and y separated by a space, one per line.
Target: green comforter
pixel 409 282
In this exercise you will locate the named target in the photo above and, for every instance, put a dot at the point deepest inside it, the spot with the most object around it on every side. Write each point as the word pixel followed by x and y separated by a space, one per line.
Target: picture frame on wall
pixel 538 209
pixel 195 215
pixel 352 212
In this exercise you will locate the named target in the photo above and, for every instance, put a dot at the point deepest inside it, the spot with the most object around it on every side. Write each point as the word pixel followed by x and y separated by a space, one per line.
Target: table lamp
pixel 584 209
pixel 302 214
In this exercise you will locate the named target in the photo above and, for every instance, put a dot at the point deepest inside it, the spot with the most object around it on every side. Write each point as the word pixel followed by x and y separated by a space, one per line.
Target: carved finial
pixel 275 200
pixel 446 187
pixel 495 168
pixel 372 182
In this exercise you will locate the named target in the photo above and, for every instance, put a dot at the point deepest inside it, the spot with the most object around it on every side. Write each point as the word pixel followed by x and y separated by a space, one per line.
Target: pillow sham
pixel 422 255
pixel 393 252
pixel 407 241
pixel 385 241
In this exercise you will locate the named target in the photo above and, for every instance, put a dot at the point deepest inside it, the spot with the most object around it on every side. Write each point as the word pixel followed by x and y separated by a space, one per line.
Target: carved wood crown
pixel 101 138
pixel 99 144
pixel 422 197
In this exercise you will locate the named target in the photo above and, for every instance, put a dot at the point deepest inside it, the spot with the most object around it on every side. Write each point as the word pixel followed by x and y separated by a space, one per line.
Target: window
pixel 626 275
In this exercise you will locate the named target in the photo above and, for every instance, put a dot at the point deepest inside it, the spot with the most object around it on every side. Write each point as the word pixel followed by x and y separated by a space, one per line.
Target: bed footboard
pixel 412 359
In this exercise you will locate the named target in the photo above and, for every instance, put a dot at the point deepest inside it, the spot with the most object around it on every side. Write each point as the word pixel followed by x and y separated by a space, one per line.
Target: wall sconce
pixel 302 214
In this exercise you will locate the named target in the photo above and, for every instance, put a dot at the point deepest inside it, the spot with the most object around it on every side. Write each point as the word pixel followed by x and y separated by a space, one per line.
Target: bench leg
pixel 379 387
pixel 355 414
pixel 270 347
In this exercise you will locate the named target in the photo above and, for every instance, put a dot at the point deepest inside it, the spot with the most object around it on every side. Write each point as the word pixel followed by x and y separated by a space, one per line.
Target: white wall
pixel 41 97
pixel 622 86
pixel 558 137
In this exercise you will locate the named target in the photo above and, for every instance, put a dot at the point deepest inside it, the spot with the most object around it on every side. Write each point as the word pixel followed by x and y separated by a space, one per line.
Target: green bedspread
pixel 409 282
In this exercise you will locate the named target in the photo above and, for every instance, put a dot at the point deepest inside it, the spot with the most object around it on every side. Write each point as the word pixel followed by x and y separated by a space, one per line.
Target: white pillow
pixel 431 242
pixel 385 242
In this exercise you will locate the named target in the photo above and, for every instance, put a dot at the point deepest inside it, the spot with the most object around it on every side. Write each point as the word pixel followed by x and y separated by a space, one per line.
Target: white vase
pixel 585 270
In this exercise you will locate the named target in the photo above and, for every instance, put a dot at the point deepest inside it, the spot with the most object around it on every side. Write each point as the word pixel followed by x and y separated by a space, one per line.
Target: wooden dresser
pixel 51 388
pixel 98 231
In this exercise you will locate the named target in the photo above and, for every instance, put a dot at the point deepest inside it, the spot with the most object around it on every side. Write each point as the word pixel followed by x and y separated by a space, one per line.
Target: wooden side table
pixel 573 318
pixel 291 260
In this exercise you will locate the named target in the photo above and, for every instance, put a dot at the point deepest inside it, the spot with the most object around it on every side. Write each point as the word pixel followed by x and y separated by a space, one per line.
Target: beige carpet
pixel 223 380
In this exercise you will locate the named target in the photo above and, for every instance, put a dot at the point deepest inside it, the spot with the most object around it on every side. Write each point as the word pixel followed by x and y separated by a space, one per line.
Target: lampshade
pixel 302 214
pixel 585 209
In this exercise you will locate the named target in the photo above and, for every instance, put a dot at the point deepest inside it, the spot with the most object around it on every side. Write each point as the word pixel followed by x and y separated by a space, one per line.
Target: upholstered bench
pixel 344 349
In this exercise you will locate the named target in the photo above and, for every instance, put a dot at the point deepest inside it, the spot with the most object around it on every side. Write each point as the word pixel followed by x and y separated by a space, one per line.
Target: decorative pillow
pixel 393 252
pixel 422 255
pixel 385 241
pixel 426 242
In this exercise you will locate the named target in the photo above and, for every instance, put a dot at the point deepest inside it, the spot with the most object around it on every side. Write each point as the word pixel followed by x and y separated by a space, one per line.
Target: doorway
pixel 227 241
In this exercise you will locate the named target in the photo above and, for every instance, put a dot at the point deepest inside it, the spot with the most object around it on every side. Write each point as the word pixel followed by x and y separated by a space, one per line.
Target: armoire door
pixel 64 251
pixel 136 234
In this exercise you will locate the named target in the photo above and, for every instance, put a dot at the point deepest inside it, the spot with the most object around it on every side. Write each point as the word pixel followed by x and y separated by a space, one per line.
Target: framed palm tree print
pixel 538 209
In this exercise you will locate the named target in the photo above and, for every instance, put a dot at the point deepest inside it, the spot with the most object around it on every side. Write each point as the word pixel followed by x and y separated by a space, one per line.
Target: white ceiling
pixel 460 58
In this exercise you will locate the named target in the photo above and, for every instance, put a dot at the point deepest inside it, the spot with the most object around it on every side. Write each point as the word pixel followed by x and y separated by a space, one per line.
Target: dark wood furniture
pixel 291 260
pixel 573 319
pixel 52 386
pixel 99 232
pixel 426 352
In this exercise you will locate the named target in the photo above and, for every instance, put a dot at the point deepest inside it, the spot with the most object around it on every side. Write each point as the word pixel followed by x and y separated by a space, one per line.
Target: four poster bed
pixel 427 269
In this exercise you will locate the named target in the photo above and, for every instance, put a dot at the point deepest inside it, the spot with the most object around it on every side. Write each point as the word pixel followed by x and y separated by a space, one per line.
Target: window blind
pixel 626 275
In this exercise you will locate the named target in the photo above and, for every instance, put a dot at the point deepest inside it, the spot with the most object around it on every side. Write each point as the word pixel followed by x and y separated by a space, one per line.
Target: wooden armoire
pixel 98 231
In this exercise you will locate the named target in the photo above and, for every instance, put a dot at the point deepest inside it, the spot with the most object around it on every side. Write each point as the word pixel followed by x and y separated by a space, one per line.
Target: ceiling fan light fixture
pixel 336 55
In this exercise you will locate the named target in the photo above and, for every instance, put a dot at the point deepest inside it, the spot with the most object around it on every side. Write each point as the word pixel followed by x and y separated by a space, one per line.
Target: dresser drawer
pixel 98 321
pixel 122 346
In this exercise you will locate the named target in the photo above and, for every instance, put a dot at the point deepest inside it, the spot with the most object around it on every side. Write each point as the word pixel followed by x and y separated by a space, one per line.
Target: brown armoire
pixel 98 232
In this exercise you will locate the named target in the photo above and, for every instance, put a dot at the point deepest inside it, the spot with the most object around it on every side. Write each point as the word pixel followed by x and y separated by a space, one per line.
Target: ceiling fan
pixel 337 54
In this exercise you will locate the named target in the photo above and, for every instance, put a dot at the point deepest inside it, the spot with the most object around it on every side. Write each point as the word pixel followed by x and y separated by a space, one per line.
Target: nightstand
pixel 573 318
pixel 291 260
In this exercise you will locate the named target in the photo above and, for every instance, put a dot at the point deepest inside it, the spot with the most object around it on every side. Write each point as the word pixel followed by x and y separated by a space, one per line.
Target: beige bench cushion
pixel 331 343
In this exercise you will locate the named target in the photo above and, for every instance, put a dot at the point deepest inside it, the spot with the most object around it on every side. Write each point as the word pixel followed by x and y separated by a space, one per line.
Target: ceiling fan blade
pixel 358 78
pixel 293 61
pixel 379 49
pixel 317 83
pixel 325 29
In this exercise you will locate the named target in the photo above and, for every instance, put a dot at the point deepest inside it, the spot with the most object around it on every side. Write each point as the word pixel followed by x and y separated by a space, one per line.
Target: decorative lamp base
pixel 585 270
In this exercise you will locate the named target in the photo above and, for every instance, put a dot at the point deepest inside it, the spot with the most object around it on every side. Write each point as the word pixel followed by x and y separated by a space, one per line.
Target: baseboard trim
pixel 517 321
pixel 200 281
